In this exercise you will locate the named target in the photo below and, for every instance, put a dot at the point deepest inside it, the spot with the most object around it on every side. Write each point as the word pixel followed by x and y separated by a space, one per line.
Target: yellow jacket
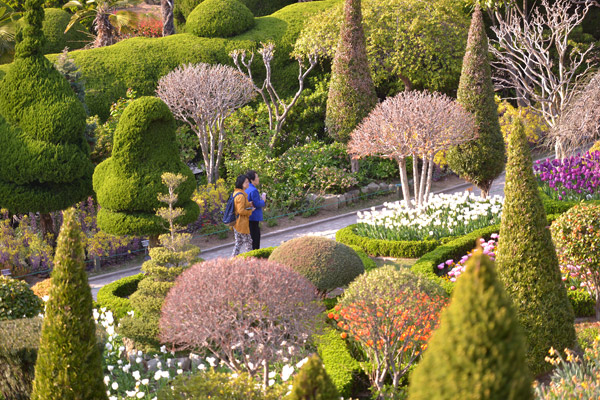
pixel 242 224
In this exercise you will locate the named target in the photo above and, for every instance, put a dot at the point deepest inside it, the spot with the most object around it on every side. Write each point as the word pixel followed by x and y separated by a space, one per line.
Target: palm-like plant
pixel 108 22
pixel 8 28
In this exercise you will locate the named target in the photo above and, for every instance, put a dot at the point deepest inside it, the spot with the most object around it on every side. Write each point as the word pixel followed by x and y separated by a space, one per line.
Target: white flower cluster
pixel 443 215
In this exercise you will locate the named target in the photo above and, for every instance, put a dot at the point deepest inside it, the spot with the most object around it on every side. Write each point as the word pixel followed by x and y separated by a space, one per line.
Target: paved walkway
pixel 327 227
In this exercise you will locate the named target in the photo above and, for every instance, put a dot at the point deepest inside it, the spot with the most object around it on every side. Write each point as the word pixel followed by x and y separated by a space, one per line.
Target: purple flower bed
pixel 574 178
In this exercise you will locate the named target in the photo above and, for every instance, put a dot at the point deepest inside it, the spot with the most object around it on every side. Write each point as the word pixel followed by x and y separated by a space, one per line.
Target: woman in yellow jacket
pixel 243 210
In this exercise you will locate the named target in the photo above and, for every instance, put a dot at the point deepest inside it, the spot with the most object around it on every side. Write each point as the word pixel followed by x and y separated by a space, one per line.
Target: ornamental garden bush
pixel 17 300
pixel 313 383
pixel 115 296
pixel 390 315
pixel 219 19
pixel 324 262
pixel 55 23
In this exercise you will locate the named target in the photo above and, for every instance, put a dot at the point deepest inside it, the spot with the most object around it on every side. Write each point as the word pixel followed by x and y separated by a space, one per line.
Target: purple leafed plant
pixel 574 178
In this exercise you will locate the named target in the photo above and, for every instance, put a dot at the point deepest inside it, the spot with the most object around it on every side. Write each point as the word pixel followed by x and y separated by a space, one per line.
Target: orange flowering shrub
pixel 390 314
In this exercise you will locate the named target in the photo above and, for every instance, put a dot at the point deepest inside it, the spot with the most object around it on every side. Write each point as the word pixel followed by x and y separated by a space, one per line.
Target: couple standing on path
pixel 248 209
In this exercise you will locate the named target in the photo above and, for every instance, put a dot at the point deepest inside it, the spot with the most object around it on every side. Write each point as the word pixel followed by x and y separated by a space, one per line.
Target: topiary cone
pixel 313 383
pixel 478 351
pixel 69 363
pixel 479 161
pixel 527 262
pixel 127 183
pixel 351 91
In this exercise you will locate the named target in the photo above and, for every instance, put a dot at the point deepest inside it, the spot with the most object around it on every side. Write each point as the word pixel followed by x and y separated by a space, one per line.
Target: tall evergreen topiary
pixel 313 383
pixel 351 91
pixel 69 363
pixel 166 263
pixel 527 262
pixel 478 351
pixel 126 184
pixel 479 161
pixel 44 157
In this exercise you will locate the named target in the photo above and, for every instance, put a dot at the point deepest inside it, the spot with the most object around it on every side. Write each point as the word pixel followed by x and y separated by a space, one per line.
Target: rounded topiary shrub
pixel 17 300
pixel 219 18
pixel 325 262
pixel 55 23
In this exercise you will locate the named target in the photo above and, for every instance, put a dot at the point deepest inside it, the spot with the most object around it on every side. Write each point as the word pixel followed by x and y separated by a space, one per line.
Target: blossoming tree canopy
pixel 417 124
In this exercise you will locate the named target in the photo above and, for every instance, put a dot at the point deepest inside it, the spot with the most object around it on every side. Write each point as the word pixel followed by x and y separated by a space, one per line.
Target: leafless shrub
pixel 417 124
pixel 203 96
pixel 241 310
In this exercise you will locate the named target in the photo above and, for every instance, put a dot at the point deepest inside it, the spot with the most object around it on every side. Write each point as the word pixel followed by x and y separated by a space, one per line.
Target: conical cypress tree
pixel 69 363
pixel 482 160
pixel 478 352
pixel 313 383
pixel 351 91
pixel 44 157
pixel 527 262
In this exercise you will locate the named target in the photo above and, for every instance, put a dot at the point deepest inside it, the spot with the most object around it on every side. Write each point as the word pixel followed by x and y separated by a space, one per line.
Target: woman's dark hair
pixel 239 182
pixel 251 175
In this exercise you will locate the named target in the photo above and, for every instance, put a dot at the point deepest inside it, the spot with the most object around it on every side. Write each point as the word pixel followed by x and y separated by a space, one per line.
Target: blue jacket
pixel 254 197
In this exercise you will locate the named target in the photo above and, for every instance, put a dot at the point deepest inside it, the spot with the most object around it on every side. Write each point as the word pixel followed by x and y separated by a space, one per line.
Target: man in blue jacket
pixel 258 201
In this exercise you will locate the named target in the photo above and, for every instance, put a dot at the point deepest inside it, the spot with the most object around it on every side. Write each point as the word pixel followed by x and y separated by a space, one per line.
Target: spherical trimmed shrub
pixel 55 23
pixel 127 184
pixel 219 18
pixel 325 262
pixel 251 304
pixel 17 300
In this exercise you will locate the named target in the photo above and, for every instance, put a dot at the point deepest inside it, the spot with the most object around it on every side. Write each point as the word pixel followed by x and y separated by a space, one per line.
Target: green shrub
pixel 324 262
pixel 313 383
pixel 69 365
pixel 17 300
pixel 128 182
pixel 19 342
pixel 476 95
pixel 218 386
pixel 478 351
pixel 344 370
pixel 138 63
pixel 527 262
pixel 55 23
pixel 260 253
pixel 351 91
pixel 583 304
pixel 368 263
pixel 386 248
pixel 576 235
pixel 115 295
pixel 219 18
pixel 41 119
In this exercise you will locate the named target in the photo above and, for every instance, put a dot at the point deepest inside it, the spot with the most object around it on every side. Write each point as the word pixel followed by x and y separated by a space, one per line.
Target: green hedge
pixel 139 62
pixel 19 342
pixel 260 253
pixel 115 295
pixel 345 372
pixel 386 248
pixel 583 304
pixel 219 18
pixel 557 206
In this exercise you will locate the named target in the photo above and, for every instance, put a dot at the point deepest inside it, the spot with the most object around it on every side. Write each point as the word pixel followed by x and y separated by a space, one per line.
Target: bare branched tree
pixel 417 124
pixel 243 310
pixel 278 109
pixel 203 96
pixel 580 122
pixel 533 56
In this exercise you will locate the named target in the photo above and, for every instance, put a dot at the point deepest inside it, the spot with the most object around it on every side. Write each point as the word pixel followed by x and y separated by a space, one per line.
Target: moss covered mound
pixel 219 18
pixel 128 183
pixel 325 262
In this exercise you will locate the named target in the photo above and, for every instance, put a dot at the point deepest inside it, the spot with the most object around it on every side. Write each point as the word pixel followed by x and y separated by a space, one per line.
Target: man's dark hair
pixel 251 175
pixel 239 182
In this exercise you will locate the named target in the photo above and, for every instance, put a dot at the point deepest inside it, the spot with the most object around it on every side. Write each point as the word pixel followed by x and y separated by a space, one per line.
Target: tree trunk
pixel 354 167
pixel 404 182
pixel 415 162
pixel 104 29
pixel 166 10
pixel 47 228
pixel 153 241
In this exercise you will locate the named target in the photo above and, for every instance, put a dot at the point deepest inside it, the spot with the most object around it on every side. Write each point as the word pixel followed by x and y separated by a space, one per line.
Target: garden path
pixel 325 227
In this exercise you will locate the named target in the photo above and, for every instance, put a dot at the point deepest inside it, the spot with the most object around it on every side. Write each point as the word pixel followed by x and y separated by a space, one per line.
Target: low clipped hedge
pixel 385 248
pixel 259 253
pixel 560 206
pixel 344 370
pixel 139 62
pixel 115 295
pixel 219 18
pixel 19 343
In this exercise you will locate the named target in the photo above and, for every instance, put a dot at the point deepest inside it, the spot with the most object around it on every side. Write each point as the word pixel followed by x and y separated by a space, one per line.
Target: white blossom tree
pixel 203 96
pixel 417 124
pixel 533 55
